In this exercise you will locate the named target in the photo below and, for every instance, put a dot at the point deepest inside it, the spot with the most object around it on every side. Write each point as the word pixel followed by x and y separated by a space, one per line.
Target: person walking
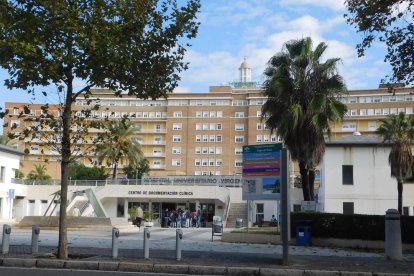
pixel 140 215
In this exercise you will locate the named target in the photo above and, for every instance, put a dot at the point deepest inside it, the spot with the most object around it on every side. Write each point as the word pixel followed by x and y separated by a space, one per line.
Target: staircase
pixel 237 210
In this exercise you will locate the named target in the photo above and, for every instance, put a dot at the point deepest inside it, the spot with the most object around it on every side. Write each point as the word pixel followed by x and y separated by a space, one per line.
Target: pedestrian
pixel 179 218
pixel 198 219
pixel 187 217
pixel 165 218
pixel 140 215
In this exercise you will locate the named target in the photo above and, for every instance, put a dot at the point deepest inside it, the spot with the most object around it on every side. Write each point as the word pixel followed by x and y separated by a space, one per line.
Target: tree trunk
pixel 66 145
pixel 311 177
pixel 304 177
pixel 400 196
pixel 115 169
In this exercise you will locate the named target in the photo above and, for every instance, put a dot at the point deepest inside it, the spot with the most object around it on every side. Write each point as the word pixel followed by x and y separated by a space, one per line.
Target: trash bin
pixel 303 233
pixel 239 222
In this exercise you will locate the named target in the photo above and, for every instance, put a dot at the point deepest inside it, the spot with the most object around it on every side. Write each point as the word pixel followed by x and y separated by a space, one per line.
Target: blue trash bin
pixel 303 233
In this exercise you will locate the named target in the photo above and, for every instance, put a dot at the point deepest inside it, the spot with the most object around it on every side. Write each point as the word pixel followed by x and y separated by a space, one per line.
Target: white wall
pixel 373 191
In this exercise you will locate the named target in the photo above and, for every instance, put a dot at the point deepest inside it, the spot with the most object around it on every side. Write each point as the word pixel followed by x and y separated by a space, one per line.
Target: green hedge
pixel 365 227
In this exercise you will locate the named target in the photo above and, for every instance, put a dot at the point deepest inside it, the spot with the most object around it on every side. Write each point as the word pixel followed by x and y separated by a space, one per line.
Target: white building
pixel 9 192
pixel 355 178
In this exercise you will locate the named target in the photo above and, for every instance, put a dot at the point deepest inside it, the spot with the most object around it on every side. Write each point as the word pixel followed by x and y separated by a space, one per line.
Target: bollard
pixel 35 238
pixel 178 243
pixel 147 236
pixel 393 246
pixel 5 244
pixel 115 236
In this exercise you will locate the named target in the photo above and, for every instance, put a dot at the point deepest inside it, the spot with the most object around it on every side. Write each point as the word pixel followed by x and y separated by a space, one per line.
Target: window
pixel 176 162
pixel 211 162
pixel 349 126
pixel 205 114
pixel 238 163
pixel 219 126
pixel 204 162
pixel 177 114
pixel 372 125
pixel 15 124
pixel 199 126
pixel 176 150
pixel 259 113
pixel 205 126
pixel 199 114
pixel 347 174
pixel 197 162
pixel 212 114
pixel 239 114
pixel 238 151
pixel 258 138
pixel 205 138
pixel 385 111
pixel 353 112
pixel 259 126
pixel 219 138
pixel 198 138
pixel 239 139
pixel 211 150
pixel 157 140
pixel 212 126
pixel 212 138
pixel 219 150
pixel 266 138
pixel 348 208
pixel 157 151
pixel 156 163
pixel 34 149
pixel 197 173
pixel 219 162
pixel 204 150
pixel 177 138
pixel 219 114
pixel 177 126
pixel 239 127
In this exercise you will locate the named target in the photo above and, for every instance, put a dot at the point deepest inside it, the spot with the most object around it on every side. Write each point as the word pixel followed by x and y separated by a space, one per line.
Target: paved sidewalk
pixel 198 250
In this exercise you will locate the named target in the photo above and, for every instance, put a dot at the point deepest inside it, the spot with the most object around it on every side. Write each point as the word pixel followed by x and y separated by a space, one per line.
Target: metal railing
pixel 175 181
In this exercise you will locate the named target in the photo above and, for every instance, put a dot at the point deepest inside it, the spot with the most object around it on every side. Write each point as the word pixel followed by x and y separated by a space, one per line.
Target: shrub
pixel 365 227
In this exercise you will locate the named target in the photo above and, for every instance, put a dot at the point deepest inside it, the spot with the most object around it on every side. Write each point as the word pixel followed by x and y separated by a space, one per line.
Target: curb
pixel 175 269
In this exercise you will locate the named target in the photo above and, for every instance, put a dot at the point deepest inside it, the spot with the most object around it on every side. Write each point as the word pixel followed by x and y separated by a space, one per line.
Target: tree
pixel 137 172
pixel 4 140
pixel 133 47
pixel 119 146
pixel 303 98
pixel 18 174
pixel 39 173
pixel 390 22
pixel 79 171
pixel 399 131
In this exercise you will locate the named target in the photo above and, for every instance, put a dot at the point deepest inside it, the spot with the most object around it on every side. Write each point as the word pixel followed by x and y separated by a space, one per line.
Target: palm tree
pixel 119 146
pixel 399 131
pixel 39 173
pixel 303 100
